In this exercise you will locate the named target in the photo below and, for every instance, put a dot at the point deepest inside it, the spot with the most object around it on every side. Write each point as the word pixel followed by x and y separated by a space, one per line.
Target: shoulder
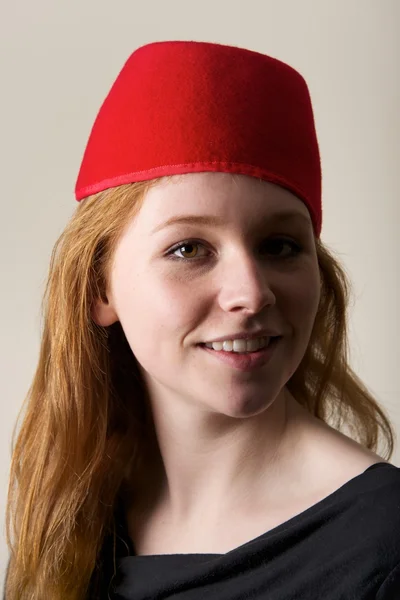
pixel 329 459
pixel 333 454
pixel 375 513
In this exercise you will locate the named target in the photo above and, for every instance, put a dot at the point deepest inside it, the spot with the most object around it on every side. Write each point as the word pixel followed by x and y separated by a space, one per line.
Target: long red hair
pixel 82 433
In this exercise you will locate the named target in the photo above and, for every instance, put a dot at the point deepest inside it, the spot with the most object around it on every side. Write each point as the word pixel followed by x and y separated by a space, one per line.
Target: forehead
pixel 216 199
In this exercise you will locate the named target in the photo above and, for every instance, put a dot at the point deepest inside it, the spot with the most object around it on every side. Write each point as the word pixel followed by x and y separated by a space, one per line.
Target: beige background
pixel 58 61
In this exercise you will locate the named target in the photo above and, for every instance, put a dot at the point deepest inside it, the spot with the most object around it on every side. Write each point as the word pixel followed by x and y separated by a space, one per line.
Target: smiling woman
pixel 182 436
pixel 238 268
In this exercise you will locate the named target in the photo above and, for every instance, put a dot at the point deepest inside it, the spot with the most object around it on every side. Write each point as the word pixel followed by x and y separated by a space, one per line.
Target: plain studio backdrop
pixel 59 60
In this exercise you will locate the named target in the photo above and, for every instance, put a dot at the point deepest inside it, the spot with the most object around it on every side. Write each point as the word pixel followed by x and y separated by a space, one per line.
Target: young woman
pixel 183 435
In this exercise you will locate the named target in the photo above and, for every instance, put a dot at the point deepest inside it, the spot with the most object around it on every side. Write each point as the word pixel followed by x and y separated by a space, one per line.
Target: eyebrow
pixel 280 217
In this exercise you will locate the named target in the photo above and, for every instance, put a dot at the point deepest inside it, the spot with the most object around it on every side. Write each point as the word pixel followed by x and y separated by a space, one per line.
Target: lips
pixel 244 361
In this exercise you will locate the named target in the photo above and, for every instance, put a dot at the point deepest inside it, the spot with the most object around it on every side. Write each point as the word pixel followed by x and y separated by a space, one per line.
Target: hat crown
pixel 179 107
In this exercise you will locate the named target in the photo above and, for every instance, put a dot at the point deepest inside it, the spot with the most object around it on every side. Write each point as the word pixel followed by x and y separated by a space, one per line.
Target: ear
pixel 103 313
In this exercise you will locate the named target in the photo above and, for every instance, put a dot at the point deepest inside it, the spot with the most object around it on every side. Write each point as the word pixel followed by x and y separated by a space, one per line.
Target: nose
pixel 244 284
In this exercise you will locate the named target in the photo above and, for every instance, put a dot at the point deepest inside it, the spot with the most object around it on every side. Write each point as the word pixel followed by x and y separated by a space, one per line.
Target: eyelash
pixel 296 249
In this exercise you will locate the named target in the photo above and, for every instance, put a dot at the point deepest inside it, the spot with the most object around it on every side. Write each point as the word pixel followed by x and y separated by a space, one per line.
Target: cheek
pixel 153 307
pixel 299 301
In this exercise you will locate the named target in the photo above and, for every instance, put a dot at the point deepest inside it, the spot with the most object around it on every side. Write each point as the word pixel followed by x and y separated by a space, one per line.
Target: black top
pixel 345 547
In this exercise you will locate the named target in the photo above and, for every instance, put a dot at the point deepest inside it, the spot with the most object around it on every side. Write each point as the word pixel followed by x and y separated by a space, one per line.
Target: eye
pixel 189 247
pixel 295 249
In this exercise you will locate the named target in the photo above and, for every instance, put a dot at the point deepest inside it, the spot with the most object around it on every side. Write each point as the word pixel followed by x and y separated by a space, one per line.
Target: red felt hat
pixel 185 107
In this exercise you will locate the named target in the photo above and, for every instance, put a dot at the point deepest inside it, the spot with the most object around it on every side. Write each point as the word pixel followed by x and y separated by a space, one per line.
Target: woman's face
pixel 240 274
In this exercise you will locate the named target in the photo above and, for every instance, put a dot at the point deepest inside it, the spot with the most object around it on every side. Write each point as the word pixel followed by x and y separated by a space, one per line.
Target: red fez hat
pixel 184 107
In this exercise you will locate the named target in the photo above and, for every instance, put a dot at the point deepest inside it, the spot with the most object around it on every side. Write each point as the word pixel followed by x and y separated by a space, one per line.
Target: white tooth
pixel 253 345
pixel 228 346
pixel 216 346
pixel 240 346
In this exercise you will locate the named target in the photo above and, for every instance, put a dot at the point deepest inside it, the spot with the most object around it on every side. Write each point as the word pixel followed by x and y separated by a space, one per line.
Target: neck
pixel 197 475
